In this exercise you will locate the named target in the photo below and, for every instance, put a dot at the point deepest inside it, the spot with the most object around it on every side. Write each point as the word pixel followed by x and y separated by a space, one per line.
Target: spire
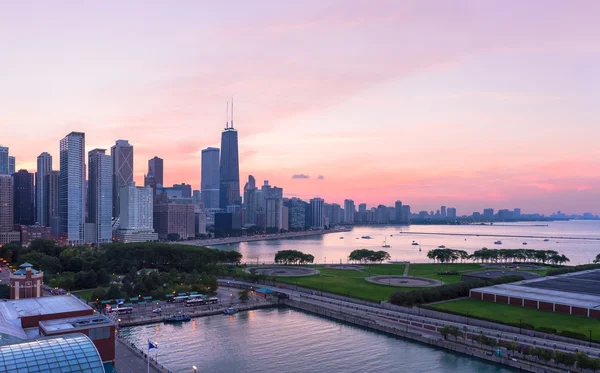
pixel 227 116
pixel 231 111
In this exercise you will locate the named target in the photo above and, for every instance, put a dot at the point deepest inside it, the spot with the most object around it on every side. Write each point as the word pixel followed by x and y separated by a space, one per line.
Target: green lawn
pixel 432 270
pixel 85 294
pixel 512 314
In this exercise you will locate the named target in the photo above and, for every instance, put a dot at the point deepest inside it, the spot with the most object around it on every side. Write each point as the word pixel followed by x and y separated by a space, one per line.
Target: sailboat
pixel 385 243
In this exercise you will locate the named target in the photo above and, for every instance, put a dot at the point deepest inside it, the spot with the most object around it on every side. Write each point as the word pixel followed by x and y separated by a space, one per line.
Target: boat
pixel 179 317
pixel 366 237
pixel 497 242
pixel 546 240
pixel 230 311
pixel 385 243
pixel 524 243
pixel 442 247
pixel 415 243
pixel 341 238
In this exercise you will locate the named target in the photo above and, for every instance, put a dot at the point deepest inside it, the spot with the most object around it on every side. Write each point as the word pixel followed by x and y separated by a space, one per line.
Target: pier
pixel 500 235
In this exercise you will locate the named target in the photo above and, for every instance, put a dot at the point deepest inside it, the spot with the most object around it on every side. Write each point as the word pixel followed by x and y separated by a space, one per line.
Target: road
pixel 130 360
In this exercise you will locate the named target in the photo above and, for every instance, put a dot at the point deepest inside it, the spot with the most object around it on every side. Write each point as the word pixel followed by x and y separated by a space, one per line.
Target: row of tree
pixel 486 255
pixel 293 257
pixel 369 256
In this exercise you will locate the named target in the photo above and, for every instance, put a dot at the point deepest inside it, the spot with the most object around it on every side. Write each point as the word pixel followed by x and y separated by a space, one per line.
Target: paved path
pixel 406 269
pixel 130 360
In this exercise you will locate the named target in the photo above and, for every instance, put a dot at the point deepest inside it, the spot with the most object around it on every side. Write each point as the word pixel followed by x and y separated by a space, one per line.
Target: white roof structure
pixel 13 309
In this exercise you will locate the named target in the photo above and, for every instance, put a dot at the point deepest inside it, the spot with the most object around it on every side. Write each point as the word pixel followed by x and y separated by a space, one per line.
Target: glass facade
pixel 66 353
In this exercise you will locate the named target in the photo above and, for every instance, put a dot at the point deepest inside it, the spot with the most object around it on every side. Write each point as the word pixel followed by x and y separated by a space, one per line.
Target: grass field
pixel 512 315
pixel 85 294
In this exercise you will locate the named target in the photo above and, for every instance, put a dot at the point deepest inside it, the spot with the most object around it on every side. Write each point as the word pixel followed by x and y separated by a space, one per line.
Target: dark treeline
pixel 293 257
pixel 445 292
pixel 498 255
pixel 369 256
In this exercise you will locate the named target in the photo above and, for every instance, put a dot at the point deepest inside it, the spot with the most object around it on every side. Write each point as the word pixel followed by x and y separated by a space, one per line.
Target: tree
pixel 103 277
pixel 243 295
pixel 113 292
pixel 173 237
pixel 98 294
pixel 597 260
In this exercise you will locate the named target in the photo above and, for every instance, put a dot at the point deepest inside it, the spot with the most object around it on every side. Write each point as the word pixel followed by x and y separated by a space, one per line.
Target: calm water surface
pixel 331 248
pixel 289 341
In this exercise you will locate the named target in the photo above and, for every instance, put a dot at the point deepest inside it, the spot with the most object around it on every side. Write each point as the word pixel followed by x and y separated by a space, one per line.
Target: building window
pixel 99 333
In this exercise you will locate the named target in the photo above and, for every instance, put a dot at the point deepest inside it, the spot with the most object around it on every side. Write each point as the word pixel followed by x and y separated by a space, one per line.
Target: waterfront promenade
pixel 261 237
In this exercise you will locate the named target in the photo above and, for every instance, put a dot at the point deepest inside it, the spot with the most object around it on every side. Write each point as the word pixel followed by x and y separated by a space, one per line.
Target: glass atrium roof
pixel 72 353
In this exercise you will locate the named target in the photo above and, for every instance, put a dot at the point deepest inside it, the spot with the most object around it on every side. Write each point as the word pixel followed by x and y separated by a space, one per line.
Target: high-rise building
pixel 100 188
pixel 44 166
pixel 274 213
pixel 362 207
pixel 185 189
pixel 398 211
pixel 136 219
pixel 209 183
pixel 156 166
pixel 4 160
pixel 405 214
pixel 443 211
pixel 349 210
pixel 296 214
pixel 451 213
pixel 229 168
pixel 517 213
pixel 174 218
pixel 122 171
pixel 7 234
pixel 251 201
pixel 52 198
pixel 12 165
pixel 488 214
pixel 72 188
pixel 23 198
pixel 316 206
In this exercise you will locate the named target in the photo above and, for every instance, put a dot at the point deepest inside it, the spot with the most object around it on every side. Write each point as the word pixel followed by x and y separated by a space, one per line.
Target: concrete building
pixel 33 232
pixel 4 169
pixel 26 282
pixel 7 234
pixel 398 211
pixel 317 213
pixel 285 219
pixel 209 183
pixel 174 218
pixel 334 214
pixel 200 220
pixel 44 166
pixel 136 222
pixel 100 188
pixel 156 166
pixel 451 213
pixel 250 201
pixel 229 167
pixel 296 214
pixel 349 210
pixel 488 214
pixel 72 188
pixel 443 211
pixel 274 213
pixel 23 190
pixel 52 198
pixel 122 171
pixel 228 221
pixel 12 165
pixel 406 214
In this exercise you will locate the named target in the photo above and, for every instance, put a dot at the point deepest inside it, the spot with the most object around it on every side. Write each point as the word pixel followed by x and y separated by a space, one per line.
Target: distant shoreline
pixel 264 237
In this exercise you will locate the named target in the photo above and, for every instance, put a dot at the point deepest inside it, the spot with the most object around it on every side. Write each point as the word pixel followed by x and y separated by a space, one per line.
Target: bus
pixel 194 302
pixel 179 299
pixel 213 300
pixel 120 310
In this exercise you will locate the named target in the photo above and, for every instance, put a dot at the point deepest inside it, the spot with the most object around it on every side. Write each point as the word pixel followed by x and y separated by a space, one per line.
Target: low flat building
pixel 27 313
pixel 33 232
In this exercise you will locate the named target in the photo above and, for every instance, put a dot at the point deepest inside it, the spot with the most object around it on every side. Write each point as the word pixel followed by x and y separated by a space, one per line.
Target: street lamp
pixel 590 337
pixel 194 368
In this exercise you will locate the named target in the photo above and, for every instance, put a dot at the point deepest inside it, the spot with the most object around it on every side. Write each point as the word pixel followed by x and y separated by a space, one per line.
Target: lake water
pixel 332 249
pixel 288 341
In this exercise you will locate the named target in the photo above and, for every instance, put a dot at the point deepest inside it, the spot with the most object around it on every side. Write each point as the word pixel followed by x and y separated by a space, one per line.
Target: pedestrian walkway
pixel 406 269
pixel 129 359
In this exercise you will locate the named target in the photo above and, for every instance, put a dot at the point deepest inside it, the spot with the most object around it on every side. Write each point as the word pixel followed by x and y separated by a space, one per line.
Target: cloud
pixel 300 176
pixel 320 177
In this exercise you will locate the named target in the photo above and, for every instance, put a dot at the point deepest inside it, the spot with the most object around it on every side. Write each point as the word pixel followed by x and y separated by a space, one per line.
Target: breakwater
pixel 499 235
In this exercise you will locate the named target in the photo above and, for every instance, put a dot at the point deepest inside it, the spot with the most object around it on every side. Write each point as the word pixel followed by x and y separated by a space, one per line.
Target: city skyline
pixel 486 110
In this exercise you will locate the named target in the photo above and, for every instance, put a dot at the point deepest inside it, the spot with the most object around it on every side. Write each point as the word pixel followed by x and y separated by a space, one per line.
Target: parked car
pixel 157 310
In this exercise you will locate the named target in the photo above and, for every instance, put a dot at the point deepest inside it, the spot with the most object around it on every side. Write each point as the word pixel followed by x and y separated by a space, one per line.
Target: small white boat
pixel 442 247
pixel 385 243
pixel 230 311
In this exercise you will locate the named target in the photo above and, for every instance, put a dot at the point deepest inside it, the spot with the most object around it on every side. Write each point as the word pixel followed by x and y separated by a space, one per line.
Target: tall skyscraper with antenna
pixel 229 169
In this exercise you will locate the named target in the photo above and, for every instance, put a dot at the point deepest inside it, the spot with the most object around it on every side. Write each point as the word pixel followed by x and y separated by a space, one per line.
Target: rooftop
pixel 23 269
pixel 74 324
pixel 15 308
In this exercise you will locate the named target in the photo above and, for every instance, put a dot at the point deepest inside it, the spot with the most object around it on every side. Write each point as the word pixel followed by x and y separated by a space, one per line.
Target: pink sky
pixel 470 104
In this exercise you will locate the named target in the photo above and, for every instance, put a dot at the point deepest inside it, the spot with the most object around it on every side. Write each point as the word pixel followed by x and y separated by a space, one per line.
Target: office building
pixel 100 188
pixel 443 211
pixel 451 213
pixel 150 181
pixel 228 221
pixel 174 218
pixel 200 220
pixel 296 214
pixel 23 198
pixel 398 211
pixel 184 189
pixel 197 197
pixel 33 232
pixel 517 213
pixel 488 214
pixel 122 171
pixel 209 183
pixel 12 165
pixel 251 201
pixel 362 207
pixel 274 213
pixel 229 168
pixel 156 166
pixel 44 166
pixel 349 210
pixel 317 213
pixel 136 222
pixel 405 214
pixel 72 188
pixel 52 198
pixel 7 234
pixel 4 162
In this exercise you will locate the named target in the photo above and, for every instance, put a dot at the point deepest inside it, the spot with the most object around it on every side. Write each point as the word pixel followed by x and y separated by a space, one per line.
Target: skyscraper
pixel 443 211
pixel 52 198
pixel 349 210
pixel 316 206
pixel 100 187
pixel 44 166
pixel 451 212
pixel 7 234
pixel 4 160
pixel 405 214
pixel 122 171
pixel 296 214
pixel 23 198
pixel 250 201
pixel 398 211
pixel 209 183
pixel 156 166
pixel 12 165
pixel 362 207
pixel 72 187
pixel 136 218
pixel 229 170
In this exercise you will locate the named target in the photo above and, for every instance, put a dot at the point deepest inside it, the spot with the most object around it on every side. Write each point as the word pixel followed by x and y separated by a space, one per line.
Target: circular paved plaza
pixel 344 266
pixel 404 281
pixel 284 271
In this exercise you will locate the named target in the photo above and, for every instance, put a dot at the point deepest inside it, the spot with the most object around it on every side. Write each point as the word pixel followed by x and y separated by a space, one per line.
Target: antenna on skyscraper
pixel 227 116
pixel 231 111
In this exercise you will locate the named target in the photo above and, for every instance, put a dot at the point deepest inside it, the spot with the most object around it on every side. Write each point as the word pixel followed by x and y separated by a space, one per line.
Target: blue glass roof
pixel 73 353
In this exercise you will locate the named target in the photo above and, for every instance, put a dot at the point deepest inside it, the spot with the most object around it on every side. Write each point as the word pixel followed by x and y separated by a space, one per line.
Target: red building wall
pixel 546 306
pixel 475 295
pixel 531 303
pixel 501 299
pixel 516 301
pixel 33 321
pixel 563 309
pixel 579 311
pixel 106 347
pixel 595 314
pixel 488 297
